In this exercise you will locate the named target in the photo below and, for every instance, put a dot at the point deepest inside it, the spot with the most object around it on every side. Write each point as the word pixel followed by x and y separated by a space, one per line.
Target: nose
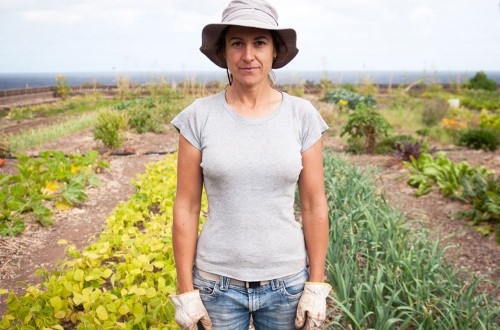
pixel 248 53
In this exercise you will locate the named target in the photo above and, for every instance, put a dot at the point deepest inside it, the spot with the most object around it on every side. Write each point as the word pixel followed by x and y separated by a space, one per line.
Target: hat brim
pixel 211 33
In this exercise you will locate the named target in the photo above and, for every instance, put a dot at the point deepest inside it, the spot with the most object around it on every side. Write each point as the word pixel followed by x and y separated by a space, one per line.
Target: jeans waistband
pixel 215 277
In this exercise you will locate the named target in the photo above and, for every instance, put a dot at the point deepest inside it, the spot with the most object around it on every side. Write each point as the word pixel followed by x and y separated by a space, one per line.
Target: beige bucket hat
pixel 250 13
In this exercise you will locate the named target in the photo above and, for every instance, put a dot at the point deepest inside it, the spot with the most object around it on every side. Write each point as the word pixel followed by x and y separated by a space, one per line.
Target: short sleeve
pixel 313 127
pixel 188 124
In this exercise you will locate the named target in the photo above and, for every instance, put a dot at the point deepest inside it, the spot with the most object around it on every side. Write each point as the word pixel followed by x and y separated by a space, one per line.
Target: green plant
pixel 490 121
pixel 109 128
pixel 385 273
pixel 479 138
pixel 481 81
pixel 368 124
pixel 346 97
pixel 145 120
pixel 63 88
pixel 483 192
pixel 53 178
pixel 475 186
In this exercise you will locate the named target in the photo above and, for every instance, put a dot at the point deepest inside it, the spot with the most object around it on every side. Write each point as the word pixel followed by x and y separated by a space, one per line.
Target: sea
pixel 27 80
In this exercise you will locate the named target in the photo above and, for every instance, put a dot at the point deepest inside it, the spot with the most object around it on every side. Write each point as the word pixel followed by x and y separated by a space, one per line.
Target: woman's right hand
pixel 189 310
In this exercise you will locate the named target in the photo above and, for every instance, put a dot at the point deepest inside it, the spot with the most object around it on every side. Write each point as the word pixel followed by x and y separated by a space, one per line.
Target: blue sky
pixel 164 35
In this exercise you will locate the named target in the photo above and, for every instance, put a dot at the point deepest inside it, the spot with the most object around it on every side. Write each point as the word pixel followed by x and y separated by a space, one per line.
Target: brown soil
pixel 37 247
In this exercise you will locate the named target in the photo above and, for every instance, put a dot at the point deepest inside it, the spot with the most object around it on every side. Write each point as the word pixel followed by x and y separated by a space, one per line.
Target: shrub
pixel 481 81
pixel 109 128
pixel 145 120
pixel 490 121
pixel 368 124
pixel 479 138
pixel 63 89
pixel 434 111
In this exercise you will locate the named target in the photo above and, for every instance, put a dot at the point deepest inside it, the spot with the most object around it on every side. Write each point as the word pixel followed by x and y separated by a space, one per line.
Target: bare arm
pixel 187 207
pixel 314 210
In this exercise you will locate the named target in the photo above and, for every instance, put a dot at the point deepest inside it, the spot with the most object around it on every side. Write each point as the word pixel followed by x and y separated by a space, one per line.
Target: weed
pixel 109 128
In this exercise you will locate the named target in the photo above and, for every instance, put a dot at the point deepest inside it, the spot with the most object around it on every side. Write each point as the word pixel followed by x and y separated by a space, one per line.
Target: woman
pixel 250 145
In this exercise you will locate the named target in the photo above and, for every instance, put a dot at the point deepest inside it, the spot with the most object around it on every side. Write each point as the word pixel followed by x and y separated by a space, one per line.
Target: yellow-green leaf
pixel 123 309
pixel 56 303
pixel 60 205
pixel 77 298
pixel 60 314
pixel 102 313
pixel 62 242
pixel 151 292
pixel 78 276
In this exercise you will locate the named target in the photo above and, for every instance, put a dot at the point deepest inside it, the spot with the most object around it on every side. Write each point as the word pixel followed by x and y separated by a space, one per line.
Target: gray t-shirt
pixel 250 171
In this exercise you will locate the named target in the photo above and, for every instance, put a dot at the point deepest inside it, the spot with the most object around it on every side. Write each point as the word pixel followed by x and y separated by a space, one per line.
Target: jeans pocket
pixel 207 288
pixel 293 286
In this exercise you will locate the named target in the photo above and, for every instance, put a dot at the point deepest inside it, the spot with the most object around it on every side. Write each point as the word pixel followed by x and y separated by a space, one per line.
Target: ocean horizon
pixel 28 80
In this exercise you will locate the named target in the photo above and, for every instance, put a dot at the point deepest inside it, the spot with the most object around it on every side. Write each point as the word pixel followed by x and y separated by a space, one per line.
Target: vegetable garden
pixel 388 270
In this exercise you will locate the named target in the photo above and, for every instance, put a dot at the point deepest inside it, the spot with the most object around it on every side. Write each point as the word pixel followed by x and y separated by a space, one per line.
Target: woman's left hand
pixel 311 310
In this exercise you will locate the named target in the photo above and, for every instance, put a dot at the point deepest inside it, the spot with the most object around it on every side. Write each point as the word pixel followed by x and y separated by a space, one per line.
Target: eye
pixel 236 43
pixel 260 43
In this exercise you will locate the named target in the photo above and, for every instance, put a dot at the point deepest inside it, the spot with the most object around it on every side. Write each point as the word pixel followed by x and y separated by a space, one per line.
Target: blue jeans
pixel 272 306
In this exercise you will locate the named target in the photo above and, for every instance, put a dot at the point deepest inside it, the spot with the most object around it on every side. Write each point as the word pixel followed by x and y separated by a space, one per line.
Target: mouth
pixel 249 69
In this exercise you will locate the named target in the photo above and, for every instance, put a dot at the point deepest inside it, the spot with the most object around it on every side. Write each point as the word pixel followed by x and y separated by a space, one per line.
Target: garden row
pixel 380 279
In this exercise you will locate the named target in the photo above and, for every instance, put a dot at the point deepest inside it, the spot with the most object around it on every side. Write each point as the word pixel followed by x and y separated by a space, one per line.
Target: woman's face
pixel 249 54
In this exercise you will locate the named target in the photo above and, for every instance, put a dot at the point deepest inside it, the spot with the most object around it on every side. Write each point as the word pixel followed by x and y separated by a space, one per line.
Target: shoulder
pixel 299 106
pixel 206 103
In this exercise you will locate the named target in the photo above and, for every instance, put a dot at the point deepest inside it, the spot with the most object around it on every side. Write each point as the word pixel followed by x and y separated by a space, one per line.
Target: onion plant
pixel 387 275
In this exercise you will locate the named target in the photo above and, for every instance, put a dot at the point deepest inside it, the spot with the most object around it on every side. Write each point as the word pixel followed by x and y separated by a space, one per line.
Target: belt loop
pixel 224 283
pixel 276 284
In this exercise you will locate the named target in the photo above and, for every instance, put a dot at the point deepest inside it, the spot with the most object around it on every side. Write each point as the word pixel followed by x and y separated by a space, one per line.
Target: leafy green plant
pixel 123 279
pixel 344 97
pixel 475 186
pixel 481 81
pixel 368 124
pixel 53 178
pixel 387 275
pixel 479 138
pixel 110 128
pixel 483 192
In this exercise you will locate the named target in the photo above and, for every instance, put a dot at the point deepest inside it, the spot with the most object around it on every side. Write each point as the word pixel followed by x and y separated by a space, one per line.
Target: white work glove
pixel 189 310
pixel 311 310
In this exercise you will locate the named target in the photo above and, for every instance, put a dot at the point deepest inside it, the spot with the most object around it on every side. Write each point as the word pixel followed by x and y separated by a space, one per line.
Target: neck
pixel 253 102
pixel 250 97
